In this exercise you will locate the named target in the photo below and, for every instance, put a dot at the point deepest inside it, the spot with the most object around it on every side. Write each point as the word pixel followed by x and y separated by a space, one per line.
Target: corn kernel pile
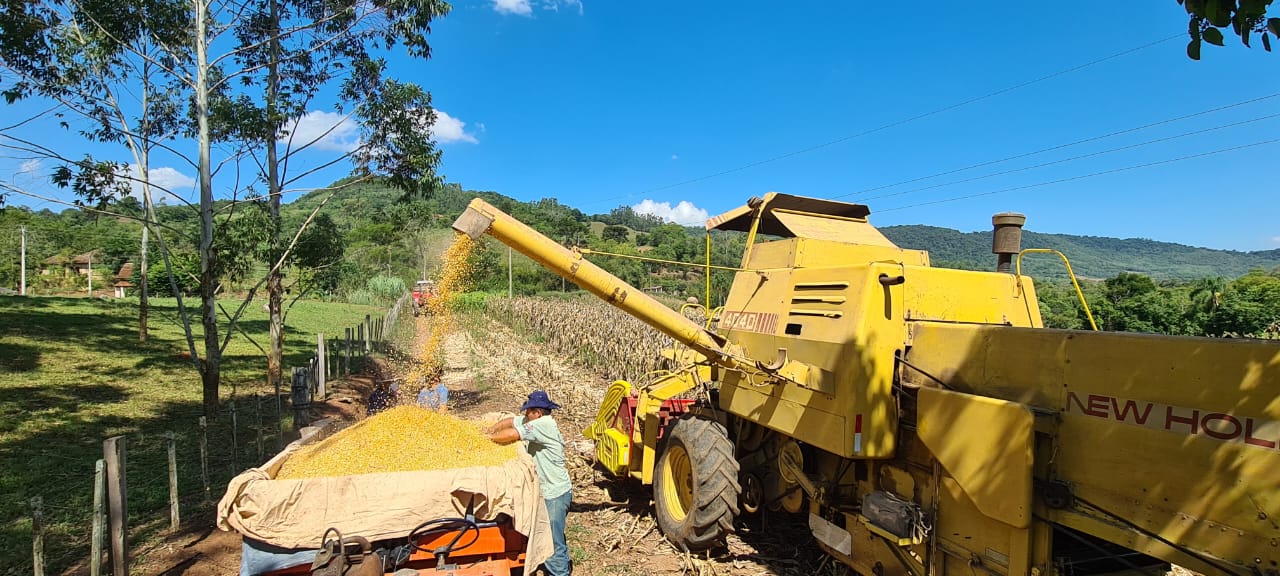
pixel 401 439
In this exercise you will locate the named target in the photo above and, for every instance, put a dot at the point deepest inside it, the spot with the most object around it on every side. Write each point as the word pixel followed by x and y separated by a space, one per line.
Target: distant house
pixel 122 279
pixel 54 263
pixel 82 263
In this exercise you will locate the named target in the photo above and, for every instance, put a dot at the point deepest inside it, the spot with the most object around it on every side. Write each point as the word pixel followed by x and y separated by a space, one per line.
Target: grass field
pixel 72 373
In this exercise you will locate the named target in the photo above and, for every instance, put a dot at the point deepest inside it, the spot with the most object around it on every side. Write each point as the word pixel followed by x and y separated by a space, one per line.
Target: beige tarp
pixel 295 513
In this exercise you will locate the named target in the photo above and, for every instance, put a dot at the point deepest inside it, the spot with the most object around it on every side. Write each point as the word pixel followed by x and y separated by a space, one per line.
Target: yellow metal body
pixel 850 368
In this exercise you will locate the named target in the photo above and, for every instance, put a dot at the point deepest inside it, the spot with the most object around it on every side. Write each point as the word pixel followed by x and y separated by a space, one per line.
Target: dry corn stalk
pixel 590 331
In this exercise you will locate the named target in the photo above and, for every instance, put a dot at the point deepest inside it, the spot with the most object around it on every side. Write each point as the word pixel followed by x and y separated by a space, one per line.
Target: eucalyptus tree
pixel 287 55
pixel 105 68
pixel 227 79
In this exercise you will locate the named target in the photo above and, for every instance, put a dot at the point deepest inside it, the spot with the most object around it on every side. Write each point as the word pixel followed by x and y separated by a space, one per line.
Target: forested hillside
pixel 1091 256
pixel 367 243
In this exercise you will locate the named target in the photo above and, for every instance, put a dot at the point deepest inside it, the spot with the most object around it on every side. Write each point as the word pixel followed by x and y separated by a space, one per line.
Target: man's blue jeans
pixel 558 509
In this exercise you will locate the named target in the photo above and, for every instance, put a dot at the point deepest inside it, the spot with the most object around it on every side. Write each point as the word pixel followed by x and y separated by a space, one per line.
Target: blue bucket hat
pixel 539 399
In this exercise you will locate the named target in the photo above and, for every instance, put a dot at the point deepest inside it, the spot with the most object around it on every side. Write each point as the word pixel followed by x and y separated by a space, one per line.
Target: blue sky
pixel 605 103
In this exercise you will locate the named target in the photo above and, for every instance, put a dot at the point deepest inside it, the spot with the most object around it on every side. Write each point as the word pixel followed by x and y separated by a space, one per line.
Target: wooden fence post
pixel 99 513
pixel 360 339
pixel 301 398
pixel 320 370
pixel 204 457
pixel 37 536
pixel 235 441
pixel 368 331
pixel 113 452
pixel 174 519
pixel 257 416
pixel 279 417
pixel 346 364
pixel 313 381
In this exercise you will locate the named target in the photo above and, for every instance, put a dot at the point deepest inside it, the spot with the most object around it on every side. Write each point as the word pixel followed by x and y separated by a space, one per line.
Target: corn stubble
pixel 402 439
pixel 599 335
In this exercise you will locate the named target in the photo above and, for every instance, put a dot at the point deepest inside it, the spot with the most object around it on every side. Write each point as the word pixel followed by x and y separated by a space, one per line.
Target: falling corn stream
pixel 455 278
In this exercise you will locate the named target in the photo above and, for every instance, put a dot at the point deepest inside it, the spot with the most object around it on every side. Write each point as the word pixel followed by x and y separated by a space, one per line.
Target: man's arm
pixel 508 423
pixel 505 436
pixel 504 432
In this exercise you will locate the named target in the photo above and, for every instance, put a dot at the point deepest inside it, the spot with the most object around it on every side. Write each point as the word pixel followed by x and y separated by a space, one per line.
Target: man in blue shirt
pixel 542 436
pixel 435 398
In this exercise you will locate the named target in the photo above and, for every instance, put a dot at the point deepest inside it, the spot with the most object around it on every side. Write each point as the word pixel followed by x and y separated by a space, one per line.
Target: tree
pixel 287 52
pixel 238 76
pixel 1250 305
pixel 1134 303
pixel 615 233
pixel 1244 18
pixel 103 63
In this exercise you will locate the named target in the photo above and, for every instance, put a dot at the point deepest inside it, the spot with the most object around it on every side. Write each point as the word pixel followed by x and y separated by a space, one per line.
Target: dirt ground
pixel 611 527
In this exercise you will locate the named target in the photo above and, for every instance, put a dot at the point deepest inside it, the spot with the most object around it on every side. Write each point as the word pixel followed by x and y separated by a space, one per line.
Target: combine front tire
pixel 695 485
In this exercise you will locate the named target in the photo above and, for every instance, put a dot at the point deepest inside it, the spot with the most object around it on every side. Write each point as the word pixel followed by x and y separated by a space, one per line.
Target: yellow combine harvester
pixel 924 418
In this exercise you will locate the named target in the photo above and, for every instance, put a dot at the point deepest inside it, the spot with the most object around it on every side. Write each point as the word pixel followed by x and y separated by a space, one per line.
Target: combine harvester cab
pixel 926 421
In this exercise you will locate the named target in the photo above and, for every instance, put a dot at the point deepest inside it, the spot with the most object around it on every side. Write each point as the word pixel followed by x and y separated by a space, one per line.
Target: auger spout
pixel 480 218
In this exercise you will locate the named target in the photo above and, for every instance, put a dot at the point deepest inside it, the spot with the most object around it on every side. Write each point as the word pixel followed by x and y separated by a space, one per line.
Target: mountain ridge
pixel 1091 256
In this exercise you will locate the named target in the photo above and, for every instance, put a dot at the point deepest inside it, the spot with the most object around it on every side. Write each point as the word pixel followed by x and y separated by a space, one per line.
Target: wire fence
pixel 146 483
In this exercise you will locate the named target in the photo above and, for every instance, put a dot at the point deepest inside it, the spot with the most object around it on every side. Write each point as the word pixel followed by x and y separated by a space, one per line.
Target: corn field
pixel 589 331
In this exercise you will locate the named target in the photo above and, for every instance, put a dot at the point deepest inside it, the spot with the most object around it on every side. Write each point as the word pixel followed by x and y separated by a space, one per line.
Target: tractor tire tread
pixel 711 514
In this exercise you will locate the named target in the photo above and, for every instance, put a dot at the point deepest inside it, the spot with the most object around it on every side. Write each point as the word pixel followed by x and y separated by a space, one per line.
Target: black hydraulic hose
pixel 441 524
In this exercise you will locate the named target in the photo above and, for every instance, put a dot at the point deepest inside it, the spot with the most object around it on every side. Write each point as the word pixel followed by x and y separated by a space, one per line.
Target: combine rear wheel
pixel 695 485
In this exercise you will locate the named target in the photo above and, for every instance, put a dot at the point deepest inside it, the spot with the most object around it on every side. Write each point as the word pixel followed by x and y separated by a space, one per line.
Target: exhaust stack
pixel 1006 240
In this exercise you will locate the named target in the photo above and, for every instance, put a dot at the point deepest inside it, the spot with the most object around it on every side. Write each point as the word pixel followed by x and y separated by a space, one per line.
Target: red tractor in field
pixel 424 291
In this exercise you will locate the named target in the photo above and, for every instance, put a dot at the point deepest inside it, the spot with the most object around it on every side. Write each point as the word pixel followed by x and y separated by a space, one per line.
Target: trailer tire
pixel 695 484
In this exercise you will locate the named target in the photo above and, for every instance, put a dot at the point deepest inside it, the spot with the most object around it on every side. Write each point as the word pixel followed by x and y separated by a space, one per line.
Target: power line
pixel 1073 158
pixel 1061 146
pixel 897 123
pixel 1083 176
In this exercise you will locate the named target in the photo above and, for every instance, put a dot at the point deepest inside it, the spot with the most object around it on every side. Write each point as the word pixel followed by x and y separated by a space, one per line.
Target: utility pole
pixel 91 273
pixel 509 285
pixel 22 287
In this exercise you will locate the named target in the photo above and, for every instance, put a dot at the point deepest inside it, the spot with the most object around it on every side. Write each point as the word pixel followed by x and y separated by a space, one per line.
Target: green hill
pixel 368 210
pixel 1091 256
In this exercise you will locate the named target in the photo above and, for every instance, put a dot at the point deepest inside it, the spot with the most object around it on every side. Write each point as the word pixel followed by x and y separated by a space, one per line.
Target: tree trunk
pixel 142 285
pixel 275 281
pixel 209 371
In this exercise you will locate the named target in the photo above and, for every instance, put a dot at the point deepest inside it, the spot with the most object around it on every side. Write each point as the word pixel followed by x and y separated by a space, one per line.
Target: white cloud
pixel 525 7
pixel 449 129
pixel 520 7
pixel 554 5
pixel 1275 239
pixel 30 167
pixel 163 178
pixel 675 156
pixel 330 131
pixel 684 212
